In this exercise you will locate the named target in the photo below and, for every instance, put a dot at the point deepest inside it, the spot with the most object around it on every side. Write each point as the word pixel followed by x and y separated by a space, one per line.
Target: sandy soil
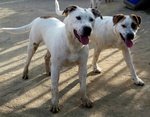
pixel 113 92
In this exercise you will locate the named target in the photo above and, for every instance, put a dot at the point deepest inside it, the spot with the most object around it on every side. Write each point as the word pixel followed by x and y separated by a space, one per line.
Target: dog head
pixel 127 26
pixel 79 22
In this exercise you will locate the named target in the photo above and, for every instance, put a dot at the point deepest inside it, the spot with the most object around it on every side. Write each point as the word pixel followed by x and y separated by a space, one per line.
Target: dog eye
pixel 134 26
pixel 124 26
pixel 91 19
pixel 78 18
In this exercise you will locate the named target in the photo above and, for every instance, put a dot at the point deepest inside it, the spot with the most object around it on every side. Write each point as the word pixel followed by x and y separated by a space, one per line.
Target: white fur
pixel 105 35
pixel 63 47
pixel 18 30
pixel 57 9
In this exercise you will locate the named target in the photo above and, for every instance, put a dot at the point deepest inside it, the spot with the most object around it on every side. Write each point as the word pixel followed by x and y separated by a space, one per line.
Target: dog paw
pixel 138 82
pixel 25 77
pixel 87 103
pixel 55 109
pixel 97 69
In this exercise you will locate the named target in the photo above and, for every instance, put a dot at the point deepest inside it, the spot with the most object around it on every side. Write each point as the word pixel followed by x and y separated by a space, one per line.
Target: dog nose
pixel 130 36
pixel 86 31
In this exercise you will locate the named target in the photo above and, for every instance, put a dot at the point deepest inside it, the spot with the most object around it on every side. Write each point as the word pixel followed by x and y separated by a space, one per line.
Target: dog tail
pixel 18 30
pixel 57 9
pixel 92 3
pixel 95 4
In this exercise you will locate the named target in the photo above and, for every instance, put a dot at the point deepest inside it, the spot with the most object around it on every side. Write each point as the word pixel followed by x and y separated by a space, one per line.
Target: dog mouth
pixel 82 39
pixel 128 42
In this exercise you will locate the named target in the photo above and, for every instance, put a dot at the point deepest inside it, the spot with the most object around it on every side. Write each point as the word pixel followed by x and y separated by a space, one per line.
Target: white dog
pixel 115 32
pixel 67 43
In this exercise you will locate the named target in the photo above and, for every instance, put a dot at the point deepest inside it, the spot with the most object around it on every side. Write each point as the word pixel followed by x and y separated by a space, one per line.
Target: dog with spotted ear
pixel 67 44
pixel 119 32
pixel 62 13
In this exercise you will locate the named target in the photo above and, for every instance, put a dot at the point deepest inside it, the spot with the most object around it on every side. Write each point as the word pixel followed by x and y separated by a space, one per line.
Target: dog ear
pixel 97 13
pixel 117 18
pixel 136 18
pixel 69 10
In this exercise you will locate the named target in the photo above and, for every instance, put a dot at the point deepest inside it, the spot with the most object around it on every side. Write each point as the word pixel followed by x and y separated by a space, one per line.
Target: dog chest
pixel 73 57
pixel 70 60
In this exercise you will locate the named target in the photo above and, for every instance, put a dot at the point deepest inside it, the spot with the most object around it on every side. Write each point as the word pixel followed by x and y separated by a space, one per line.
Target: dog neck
pixel 116 33
pixel 117 37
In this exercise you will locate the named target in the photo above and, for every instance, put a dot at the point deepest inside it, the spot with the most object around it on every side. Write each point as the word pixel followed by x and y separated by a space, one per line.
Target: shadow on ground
pixel 112 92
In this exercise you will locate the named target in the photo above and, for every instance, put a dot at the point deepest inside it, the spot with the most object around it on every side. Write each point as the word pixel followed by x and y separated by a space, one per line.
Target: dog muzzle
pixel 127 41
pixel 82 39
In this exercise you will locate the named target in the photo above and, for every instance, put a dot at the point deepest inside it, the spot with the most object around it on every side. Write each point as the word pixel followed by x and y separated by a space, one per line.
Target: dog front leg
pixel 86 102
pixel 54 87
pixel 82 77
pixel 129 62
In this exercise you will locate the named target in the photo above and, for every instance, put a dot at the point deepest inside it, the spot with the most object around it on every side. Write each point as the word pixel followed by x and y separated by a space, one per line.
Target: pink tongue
pixel 129 43
pixel 84 40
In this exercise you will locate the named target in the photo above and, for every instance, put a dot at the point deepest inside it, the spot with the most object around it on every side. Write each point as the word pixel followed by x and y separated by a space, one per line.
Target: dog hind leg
pixel 47 63
pixel 32 47
pixel 96 68
pixel 55 69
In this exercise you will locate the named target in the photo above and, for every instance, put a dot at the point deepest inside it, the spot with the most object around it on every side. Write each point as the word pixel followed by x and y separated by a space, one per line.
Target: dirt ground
pixel 112 91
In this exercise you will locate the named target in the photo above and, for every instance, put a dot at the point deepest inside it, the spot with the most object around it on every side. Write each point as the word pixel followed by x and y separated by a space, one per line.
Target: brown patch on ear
pixel 117 18
pixel 45 17
pixel 97 13
pixel 136 19
pixel 69 10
